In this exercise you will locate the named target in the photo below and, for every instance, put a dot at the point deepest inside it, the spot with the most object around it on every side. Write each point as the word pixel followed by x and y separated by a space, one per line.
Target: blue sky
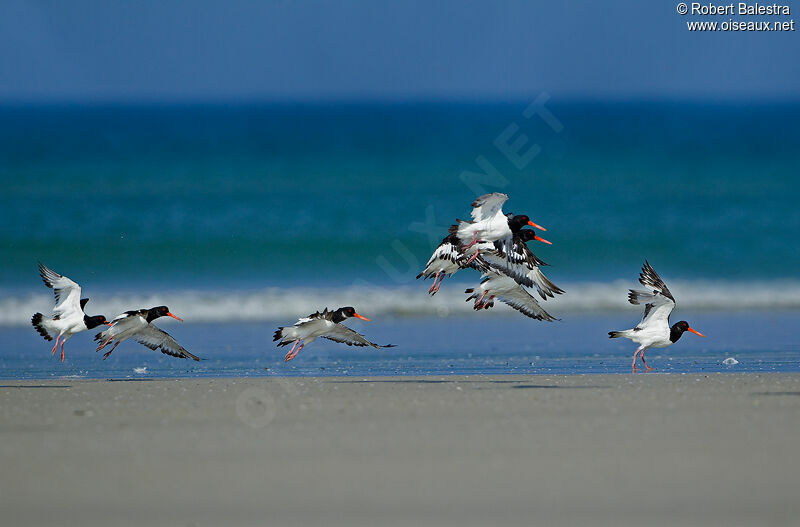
pixel 313 50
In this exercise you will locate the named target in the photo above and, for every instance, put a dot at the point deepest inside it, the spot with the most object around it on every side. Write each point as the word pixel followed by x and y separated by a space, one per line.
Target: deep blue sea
pixel 244 217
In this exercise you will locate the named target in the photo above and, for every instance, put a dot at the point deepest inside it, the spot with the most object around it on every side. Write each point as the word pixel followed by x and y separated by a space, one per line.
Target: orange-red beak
pixel 173 316
pixel 538 239
pixel 109 324
pixel 536 226
pixel 359 316
pixel 695 332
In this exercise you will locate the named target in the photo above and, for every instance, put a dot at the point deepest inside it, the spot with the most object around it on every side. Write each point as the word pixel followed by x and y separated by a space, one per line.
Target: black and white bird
pixel 325 324
pixel 447 259
pixel 451 256
pixel 489 224
pixel 137 325
pixel 68 316
pixel 518 262
pixel 497 285
pixel 654 330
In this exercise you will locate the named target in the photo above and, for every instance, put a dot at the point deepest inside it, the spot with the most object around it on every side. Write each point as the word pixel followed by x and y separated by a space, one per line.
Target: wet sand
pixel 601 450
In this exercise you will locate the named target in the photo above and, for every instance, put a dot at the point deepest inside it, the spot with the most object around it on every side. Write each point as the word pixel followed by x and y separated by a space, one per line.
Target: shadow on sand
pixel 516 384
pixel 35 386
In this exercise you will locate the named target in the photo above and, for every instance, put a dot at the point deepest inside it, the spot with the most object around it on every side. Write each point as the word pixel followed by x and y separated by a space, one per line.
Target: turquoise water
pixel 265 195
pixel 257 214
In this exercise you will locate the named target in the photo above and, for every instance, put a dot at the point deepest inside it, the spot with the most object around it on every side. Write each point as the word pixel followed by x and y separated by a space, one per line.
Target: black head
pixel 527 235
pixel 344 313
pixel 159 311
pixel 517 222
pixel 93 322
pixel 678 329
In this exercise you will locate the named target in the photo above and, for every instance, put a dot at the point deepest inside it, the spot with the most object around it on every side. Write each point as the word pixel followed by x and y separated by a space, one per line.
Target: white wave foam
pixel 286 304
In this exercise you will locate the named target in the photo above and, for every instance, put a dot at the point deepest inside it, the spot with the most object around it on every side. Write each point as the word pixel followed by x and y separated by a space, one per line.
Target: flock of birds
pixel 493 243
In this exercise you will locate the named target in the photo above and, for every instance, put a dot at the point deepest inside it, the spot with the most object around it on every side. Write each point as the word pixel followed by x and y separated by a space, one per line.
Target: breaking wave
pixel 276 304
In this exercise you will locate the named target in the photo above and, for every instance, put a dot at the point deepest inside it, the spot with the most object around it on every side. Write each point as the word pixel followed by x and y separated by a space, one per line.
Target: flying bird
pixel 446 260
pixel 138 325
pixel 496 285
pixel 518 262
pixel 654 330
pixel 325 324
pixel 451 256
pixel 68 316
pixel 489 224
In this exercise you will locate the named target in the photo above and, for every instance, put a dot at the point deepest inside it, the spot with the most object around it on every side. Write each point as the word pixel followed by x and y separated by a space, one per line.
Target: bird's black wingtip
pixel 36 322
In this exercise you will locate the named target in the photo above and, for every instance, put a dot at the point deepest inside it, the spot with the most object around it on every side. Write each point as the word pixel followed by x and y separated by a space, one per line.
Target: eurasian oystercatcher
pixel 68 315
pixel 489 224
pixel 325 324
pixel 654 330
pixel 446 260
pixel 138 326
pixel 497 285
pixel 518 262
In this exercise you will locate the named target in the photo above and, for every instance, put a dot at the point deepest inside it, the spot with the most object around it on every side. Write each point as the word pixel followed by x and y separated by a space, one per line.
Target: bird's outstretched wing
pixel 447 254
pixel 649 278
pixel 155 338
pixel 67 292
pixel 488 205
pixel 318 315
pixel 507 290
pixel 523 302
pixel 520 264
pixel 658 303
pixel 345 335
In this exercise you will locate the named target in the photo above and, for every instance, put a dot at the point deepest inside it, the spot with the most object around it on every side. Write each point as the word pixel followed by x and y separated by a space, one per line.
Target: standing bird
pixel 325 324
pixel 489 224
pixel 654 330
pixel 138 326
pixel 68 315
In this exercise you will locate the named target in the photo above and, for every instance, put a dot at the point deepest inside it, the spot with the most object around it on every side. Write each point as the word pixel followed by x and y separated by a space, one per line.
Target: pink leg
pixel 634 358
pixel 486 304
pixel 479 300
pixel 472 259
pixel 646 367
pixel 289 355
pixel 62 351
pixel 473 242
pixel 293 355
pixel 105 355
pixel 439 284
pixel 104 344
pixel 55 346
pixel 433 288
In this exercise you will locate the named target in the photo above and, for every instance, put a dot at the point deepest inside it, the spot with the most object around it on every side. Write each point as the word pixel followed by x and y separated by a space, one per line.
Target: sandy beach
pixel 479 450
